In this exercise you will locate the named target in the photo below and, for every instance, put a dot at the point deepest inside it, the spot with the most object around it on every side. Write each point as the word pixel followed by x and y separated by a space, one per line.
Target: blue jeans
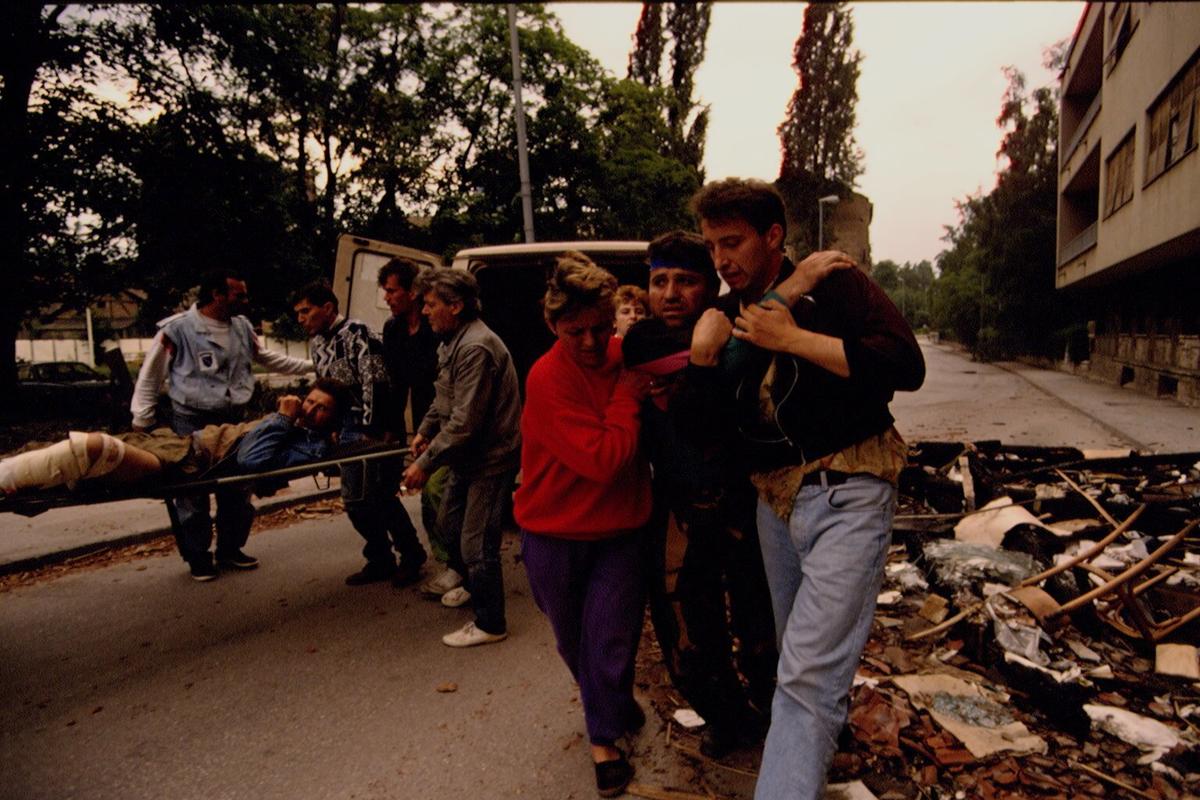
pixel 824 568
pixel 235 513
pixel 472 518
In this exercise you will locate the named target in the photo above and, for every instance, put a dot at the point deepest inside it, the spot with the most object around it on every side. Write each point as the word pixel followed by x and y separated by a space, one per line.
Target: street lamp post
pixel 831 199
pixel 519 111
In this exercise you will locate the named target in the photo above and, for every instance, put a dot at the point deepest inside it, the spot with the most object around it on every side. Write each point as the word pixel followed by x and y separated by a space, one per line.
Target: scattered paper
pixel 997 518
pixel 1144 733
pixel 888 598
pixel 1176 659
pixel 688 718
pixel 848 791
pixel 974 715
pixel 1082 650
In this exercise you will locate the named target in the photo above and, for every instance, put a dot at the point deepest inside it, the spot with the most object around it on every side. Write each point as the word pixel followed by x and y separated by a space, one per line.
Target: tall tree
pixel 64 179
pixel 817 134
pixel 649 43
pixel 996 289
pixel 478 195
pixel 642 191
pixel 335 109
pixel 600 154
pixel 908 286
pixel 252 135
pixel 684 26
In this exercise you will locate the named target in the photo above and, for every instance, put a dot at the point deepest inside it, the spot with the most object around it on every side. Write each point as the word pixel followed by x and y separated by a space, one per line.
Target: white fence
pixel 41 350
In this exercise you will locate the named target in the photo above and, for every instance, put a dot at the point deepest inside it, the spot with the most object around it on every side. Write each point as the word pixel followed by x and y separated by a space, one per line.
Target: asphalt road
pixel 968 400
pixel 132 681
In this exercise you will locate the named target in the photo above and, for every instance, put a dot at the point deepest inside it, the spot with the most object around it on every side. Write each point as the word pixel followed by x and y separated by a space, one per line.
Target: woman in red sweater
pixel 585 490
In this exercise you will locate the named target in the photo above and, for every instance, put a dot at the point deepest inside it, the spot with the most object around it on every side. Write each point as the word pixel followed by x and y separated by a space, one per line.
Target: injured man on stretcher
pixel 300 431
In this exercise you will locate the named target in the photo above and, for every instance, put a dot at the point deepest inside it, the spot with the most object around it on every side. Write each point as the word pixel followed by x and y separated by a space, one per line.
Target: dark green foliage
pixel 817 134
pixel 64 179
pixel 910 288
pixel 252 135
pixel 685 27
pixel 996 290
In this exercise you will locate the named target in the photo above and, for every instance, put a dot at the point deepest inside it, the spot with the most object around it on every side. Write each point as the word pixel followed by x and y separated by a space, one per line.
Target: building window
pixel 1122 22
pixel 1171 121
pixel 1118 176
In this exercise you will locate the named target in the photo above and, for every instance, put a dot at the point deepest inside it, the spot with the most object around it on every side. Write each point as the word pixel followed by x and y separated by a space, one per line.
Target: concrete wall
pixel 41 350
pixel 1152 364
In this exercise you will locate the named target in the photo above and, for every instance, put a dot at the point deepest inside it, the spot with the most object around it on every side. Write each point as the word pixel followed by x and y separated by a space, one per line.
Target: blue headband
pixel 658 263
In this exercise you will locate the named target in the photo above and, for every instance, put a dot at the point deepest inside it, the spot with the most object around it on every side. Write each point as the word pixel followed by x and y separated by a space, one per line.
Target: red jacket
pixel 582 476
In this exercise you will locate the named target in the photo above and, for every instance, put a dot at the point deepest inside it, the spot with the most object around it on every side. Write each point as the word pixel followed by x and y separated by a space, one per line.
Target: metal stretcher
pixel 30 504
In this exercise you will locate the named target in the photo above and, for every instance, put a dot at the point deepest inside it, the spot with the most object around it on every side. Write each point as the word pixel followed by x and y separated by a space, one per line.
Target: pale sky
pixel 928 95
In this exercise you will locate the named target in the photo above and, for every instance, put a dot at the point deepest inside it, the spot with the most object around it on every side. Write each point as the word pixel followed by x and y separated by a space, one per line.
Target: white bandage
pixel 112 452
pixel 40 469
pixel 66 462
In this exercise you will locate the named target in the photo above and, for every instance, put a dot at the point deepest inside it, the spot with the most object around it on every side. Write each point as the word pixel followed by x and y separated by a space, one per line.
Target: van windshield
pixel 511 289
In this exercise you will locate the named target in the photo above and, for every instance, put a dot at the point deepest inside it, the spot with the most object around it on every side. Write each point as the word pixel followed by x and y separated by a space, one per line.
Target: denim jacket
pixel 277 442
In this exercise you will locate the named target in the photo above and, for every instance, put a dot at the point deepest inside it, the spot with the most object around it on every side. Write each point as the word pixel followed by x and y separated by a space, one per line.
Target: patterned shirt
pixel 352 353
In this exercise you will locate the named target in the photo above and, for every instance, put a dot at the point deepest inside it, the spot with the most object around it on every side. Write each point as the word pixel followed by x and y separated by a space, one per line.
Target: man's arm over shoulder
pixel 880 349
pixel 278 362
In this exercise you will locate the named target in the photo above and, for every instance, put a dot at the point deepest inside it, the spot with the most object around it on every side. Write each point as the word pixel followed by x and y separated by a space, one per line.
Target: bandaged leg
pixel 81 457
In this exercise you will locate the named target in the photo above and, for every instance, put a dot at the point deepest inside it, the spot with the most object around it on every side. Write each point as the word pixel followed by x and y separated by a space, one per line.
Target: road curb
pixel 141 537
pixel 1134 443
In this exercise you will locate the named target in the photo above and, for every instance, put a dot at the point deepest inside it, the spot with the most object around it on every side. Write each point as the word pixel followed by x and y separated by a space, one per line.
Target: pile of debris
pixel 1036 633
pixel 1036 636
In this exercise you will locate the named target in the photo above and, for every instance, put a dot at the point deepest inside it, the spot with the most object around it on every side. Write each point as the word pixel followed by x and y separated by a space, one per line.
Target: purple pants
pixel 592 593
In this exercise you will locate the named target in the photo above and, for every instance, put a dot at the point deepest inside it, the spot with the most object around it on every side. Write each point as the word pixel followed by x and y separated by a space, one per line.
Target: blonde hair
pixel 577 283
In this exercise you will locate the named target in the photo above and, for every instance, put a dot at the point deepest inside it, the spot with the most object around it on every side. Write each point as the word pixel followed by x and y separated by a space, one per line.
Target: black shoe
pixel 371 573
pixel 236 559
pixel 203 570
pixel 406 574
pixel 716 743
pixel 613 776
pixel 635 718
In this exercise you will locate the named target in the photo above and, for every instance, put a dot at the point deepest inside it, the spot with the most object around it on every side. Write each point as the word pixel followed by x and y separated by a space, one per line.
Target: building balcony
pixel 1079 137
pixel 1084 241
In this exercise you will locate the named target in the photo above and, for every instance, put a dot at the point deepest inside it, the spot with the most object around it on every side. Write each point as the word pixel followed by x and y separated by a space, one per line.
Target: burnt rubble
pixel 1035 636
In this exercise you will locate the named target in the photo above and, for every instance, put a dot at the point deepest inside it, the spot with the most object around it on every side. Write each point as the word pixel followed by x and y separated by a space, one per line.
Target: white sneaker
pixel 469 636
pixel 447 580
pixel 456 597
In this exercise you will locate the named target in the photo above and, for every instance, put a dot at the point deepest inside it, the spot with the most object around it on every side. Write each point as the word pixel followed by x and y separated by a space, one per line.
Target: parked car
pixel 64 389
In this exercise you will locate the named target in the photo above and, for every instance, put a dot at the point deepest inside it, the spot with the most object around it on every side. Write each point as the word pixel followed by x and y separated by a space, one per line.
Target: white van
pixel 512 280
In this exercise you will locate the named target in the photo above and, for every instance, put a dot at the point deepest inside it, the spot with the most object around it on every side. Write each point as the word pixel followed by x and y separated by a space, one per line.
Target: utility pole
pixel 519 110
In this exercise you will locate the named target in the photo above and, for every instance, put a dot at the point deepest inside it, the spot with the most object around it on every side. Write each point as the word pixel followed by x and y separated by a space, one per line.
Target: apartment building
pixel 1129 192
